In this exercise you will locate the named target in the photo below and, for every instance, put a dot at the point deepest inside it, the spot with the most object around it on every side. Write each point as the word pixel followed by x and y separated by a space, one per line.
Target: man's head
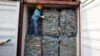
pixel 38 6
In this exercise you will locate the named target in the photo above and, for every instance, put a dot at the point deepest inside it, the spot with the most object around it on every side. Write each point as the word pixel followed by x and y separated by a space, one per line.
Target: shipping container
pixel 58 34
pixel 61 22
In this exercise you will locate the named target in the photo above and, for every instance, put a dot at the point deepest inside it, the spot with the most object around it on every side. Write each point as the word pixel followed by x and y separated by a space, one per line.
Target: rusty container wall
pixel 32 1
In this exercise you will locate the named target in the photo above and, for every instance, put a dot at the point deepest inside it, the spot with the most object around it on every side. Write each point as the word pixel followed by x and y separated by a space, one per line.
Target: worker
pixel 35 16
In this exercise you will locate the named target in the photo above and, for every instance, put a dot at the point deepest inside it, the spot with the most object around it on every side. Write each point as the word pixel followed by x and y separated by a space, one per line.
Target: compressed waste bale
pixel 50 23
pixel 39 26
pixel 67 46
pixel 72 46
pixel 68 22
pixel 50 46
pixel 32 46
pixel 63 45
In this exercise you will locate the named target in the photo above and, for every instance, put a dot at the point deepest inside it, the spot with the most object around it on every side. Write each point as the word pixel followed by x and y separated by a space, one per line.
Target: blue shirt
pixel 36 14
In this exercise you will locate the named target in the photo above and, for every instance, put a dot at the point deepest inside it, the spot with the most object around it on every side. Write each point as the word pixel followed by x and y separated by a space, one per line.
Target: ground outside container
pixel 62 40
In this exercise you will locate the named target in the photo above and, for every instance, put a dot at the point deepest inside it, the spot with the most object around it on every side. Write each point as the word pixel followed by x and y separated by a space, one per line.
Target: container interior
pixel 69 41
pixel 29 10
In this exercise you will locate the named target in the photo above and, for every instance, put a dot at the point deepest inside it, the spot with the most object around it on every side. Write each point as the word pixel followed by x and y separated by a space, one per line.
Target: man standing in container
pixel 34 18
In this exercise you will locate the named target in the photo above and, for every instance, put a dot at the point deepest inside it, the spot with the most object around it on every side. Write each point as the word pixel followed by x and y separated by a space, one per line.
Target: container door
pixel 90 27
pixel 9 16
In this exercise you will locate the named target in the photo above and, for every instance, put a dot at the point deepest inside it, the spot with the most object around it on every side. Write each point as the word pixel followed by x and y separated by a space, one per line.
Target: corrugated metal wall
pixel 9 16
pixel 90 26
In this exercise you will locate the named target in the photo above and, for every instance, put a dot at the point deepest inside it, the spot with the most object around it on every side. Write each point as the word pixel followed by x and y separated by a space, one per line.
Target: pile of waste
pixel 58 34
pixel 50 23
pixel 50 46
pixel 32 46
pixel 68 22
